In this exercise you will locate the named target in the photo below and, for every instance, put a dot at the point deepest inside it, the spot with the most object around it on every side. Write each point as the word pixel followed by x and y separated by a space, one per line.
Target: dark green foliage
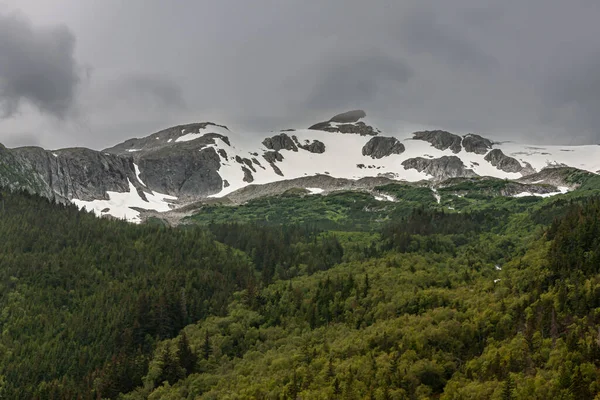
pixel 187 358
pixel 85 299
pixel 499 300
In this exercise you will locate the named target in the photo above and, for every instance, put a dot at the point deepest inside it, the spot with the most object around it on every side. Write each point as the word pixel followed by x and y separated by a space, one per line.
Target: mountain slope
pixel 187 163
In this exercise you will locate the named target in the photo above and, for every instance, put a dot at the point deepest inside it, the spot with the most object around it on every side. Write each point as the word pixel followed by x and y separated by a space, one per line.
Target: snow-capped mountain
pixel 191 162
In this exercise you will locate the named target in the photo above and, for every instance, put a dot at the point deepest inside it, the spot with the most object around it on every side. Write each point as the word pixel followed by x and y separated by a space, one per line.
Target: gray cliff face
pixel 70 173
pixel 187 169
pixel 184 171
pixel 503 162
pixel 441 140
pixel 476 144
pixel 440 168
pixel 379 147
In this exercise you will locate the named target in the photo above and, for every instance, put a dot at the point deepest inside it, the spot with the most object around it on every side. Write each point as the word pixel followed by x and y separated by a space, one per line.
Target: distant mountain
pixel 190 163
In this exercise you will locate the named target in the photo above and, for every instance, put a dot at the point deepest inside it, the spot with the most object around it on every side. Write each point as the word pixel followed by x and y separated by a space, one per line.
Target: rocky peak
pixel 441 140
pixel 280 142
pixel 348 122
pixel 170 137
pixel 379 147
pixel 440 168
pixel 473 143
pixel 349 117
pixel 503 162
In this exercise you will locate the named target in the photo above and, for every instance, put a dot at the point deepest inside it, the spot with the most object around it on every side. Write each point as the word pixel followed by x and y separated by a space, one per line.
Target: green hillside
pixel 306 297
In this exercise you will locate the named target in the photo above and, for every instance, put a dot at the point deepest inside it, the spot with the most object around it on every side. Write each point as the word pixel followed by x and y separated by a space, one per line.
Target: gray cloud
pixel 356 81
pixel 422 32
pixel 522 70
pixel 36 65
pixel 573 95
pixel 158 91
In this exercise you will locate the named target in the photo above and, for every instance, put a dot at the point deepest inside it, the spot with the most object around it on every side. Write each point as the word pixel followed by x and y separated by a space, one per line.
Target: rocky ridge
pixel 187 163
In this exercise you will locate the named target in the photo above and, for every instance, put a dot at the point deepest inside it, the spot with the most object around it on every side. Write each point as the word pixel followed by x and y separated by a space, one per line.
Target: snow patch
pixel 201 132
pixel 133 150
pixel 561 190
pixel 315 190
pixel 137 173
pixel 437 196
pixel 384 197
pixel 119 204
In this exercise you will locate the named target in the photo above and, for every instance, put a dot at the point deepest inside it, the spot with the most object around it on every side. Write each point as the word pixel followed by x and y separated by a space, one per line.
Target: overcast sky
pixel 96 72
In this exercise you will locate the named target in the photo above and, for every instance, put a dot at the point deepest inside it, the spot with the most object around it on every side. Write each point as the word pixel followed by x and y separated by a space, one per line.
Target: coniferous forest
pixel 497 299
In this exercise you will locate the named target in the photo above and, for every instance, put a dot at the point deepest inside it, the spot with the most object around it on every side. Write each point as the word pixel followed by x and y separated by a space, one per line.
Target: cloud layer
pixel 510 69
pixel 37 66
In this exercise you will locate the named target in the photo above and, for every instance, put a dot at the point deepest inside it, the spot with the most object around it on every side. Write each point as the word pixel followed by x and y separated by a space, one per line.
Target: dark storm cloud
pixel 36 65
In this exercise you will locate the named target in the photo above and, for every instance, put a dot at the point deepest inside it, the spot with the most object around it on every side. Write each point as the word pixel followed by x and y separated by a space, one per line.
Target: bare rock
pixel 379 147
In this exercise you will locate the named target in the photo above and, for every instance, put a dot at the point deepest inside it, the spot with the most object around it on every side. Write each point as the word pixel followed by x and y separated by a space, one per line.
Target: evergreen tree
pixel 206 346
pixel 508 389
pixel 187 358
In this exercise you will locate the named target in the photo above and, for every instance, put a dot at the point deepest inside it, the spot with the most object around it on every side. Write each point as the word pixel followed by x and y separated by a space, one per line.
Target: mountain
pixel 185 164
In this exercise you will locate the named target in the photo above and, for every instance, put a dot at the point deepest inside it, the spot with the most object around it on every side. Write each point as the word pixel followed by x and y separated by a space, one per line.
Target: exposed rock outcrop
pixel 440 168
pixel 206 131
pixel 280 142
pixel 503 162
pixel 473 143
pixel 349 116
pixel 183 171
pixel 441 140
pixel 316 146
pixel 66 174
pixel 379 147
pixel 272 156
pixel 348 122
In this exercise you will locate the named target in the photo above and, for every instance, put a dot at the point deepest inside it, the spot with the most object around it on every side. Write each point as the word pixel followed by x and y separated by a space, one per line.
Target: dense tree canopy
pixel 499 299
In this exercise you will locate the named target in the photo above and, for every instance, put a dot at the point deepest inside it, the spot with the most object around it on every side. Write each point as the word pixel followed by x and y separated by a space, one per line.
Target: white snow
pixel 437 196
pixel 498 268
pixel 201 132
pixel 561 190
pixel 384 197
pixel 55 155
pixel 137 173
pixel 585 157
pixel 119 204
pixel 496 280
pixel 315 190
pixel 343 154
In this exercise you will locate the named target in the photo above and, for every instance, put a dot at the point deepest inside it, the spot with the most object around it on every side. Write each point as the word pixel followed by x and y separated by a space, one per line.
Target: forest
pixel 338 297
